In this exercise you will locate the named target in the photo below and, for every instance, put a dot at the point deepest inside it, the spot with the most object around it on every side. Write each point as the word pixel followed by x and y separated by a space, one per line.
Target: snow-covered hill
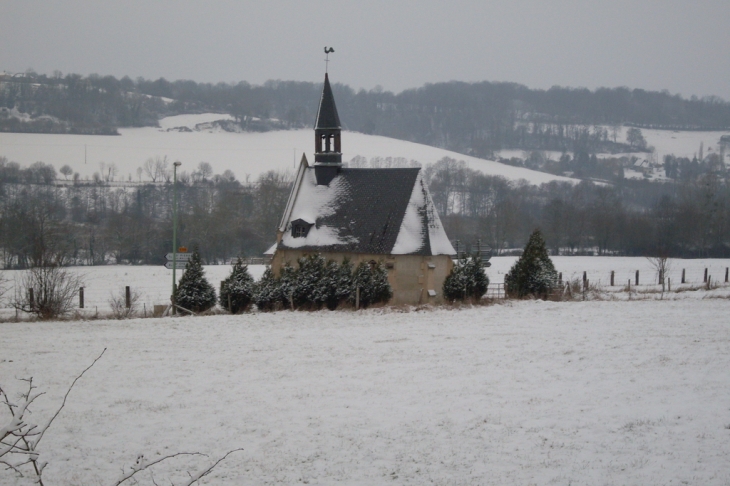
pixel 196 138
pixel 243 153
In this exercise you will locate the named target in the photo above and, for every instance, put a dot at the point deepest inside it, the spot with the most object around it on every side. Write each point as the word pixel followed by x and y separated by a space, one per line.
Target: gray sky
pixel 681 46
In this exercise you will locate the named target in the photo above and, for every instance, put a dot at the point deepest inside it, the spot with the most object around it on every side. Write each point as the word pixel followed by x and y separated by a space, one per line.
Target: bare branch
pixel 202 474
pixel 142 465
pixel 63 404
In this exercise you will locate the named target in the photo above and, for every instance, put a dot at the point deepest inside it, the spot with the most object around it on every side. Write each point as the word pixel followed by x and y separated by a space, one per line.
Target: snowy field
pixel 665 142
pixel 530 392
pixel 243 153
pixel 154 283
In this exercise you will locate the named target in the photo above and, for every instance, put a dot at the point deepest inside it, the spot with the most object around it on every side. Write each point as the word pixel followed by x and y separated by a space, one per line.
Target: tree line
pixel 97 222
pixel 471 118
pixel 689 217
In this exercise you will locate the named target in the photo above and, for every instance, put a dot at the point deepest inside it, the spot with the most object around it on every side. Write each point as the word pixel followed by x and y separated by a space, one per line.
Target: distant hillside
pixel 470 118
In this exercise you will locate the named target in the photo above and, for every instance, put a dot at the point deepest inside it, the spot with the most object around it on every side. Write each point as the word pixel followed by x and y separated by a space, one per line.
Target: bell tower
pixel 327 129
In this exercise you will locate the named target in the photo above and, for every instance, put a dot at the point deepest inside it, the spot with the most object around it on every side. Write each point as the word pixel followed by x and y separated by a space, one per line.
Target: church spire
pixel 327 129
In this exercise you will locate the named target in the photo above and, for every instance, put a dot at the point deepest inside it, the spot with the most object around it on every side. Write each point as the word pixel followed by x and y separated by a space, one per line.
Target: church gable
pixel 375 211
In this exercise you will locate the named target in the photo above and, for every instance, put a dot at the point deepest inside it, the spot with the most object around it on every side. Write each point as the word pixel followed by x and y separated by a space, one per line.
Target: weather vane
pixel 327 51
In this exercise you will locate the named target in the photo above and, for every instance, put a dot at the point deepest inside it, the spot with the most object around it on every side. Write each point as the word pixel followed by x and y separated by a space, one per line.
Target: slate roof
pixel 327 117
pixel 377 211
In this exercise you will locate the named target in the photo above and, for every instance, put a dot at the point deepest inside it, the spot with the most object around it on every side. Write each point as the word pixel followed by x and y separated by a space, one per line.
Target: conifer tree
pixel 267 293
pixel 237 290
pixel 534 272
pixel 372 280
pixel 287 282
pixel 194 292
pixel 310 287
pixel 467 280
pixel 340 283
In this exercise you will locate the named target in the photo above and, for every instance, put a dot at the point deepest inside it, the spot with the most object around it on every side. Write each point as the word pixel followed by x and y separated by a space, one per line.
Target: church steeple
pixel 327 129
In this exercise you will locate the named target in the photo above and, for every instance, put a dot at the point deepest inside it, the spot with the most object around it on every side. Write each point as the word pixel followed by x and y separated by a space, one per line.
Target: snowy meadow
pixel 605 391
pixel 530 392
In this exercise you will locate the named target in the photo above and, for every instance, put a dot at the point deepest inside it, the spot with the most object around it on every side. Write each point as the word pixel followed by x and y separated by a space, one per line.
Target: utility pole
pixel 175 165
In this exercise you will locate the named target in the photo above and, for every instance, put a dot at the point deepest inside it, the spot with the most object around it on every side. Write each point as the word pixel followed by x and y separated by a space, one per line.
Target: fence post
pixel 637 277
pixel 705 280
pixel 357 297
pixel 612 273
pixel 81 297
pixel 127 297
pixel 31 298
pixel 669 284
pixel 560 278
pixel 661 278
pixel 683 276
pixel 726 273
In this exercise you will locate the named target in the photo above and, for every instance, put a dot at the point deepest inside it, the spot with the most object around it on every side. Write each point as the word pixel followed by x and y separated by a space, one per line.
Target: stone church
pixel 364 214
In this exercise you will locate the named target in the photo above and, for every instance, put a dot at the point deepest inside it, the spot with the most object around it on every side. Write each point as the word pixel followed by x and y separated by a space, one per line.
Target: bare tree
pixel 66 170
pixel 205 170
pixel 157 168
pixel 47 291
pixel 118 303
pixel 662 264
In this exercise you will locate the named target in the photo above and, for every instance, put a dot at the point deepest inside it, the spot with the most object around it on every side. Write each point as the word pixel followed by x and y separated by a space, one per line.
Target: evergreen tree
pixel 467 280
pixel 341 285
pixel 237 290
pixel 287 285
pixel 372 280
pixel 194 292
pixel 310 287
pixel 533 273
pixel 267 293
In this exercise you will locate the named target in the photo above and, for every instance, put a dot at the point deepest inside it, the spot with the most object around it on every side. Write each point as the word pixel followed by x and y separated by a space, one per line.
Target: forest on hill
pixel 470 118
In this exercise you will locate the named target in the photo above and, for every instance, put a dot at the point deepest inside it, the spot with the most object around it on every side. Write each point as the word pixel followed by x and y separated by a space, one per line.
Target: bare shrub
pixel 118 303
pixel 54 289
pixel 662 264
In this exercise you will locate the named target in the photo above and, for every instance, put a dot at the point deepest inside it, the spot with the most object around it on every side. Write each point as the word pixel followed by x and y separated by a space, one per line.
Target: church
pixel 365 215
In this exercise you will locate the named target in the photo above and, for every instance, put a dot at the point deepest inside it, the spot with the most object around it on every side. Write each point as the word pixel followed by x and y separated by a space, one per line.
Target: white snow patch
pixel 527 393
pixel 314 202
pixel 410 236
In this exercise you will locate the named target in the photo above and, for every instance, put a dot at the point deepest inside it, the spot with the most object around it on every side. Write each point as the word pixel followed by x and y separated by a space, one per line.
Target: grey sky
pixel 681 46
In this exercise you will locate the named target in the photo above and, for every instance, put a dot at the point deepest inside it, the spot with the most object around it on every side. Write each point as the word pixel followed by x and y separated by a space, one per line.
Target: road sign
pixel 179 265
pixel 180 257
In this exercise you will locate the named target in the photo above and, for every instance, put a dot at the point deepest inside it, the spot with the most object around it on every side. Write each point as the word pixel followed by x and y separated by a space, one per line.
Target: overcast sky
pixel 681 46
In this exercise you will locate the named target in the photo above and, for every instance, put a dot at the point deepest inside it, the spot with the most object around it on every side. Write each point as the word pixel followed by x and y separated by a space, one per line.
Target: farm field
pixel 154 283
pixel 245 154
pixel 530 392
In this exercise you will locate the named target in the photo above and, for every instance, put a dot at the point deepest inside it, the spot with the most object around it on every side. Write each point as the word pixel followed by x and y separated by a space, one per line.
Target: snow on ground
pixel 529 392
pixel 242 153
pixel 154 283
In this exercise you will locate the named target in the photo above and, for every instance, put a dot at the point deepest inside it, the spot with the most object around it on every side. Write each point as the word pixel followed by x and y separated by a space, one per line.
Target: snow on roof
pixel 420 220
pixel 380 211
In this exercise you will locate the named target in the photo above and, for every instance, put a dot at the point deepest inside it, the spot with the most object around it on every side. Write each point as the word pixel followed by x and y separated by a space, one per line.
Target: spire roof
pixel 327 117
